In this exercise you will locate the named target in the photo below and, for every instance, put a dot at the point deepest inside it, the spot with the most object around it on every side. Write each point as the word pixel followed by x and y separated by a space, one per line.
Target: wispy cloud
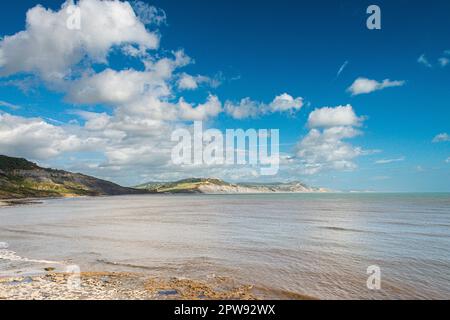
pixel 364 85
pixel 419 168
pixel 148 14
pixel 424 61
pixel 444 61
pixel 381 178
pixel 341 69
pixel 9 105
pixel 189 82
pixel 441 137
pixel 385 161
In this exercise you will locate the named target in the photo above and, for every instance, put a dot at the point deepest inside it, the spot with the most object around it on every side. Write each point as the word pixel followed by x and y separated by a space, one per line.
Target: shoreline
pixel 21 202
pixel 120 286
pixel 18 201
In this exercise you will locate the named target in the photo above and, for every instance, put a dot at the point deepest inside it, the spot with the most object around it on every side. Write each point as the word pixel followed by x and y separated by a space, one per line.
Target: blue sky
pixel 258 50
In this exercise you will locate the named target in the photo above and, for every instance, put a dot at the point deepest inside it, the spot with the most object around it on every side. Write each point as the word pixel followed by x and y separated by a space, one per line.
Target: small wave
pixel 283 294
pixel 127 265
pixel 10 255
pixel 346 229
pixel 28 232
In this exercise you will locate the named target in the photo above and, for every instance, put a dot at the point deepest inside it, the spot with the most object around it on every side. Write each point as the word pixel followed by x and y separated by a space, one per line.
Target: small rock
pixel 167 292
pixel 27 280
pixel 14 282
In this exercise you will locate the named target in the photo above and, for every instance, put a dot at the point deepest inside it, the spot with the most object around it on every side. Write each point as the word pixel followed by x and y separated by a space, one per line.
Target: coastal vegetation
pixel 217 186
pixel 20 178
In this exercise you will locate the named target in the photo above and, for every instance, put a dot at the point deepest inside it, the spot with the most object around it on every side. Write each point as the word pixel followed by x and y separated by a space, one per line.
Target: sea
pixel 322 246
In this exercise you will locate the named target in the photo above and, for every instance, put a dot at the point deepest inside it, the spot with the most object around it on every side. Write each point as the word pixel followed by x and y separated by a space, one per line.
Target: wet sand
pixel 17 202
pixel 132 286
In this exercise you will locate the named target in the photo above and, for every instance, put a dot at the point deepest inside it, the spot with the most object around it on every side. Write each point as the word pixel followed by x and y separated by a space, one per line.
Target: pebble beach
pixel 119 286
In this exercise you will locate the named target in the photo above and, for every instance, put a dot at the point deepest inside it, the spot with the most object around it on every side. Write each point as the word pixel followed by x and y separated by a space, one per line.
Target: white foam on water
pixel 10 255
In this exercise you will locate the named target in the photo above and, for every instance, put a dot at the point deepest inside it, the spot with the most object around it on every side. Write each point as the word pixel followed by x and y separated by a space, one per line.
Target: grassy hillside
pixel 10 163
pixel 183 186
pixel 216 186
pixel 20 178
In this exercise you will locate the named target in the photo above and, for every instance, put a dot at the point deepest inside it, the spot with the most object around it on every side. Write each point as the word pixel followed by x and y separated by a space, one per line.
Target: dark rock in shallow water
pixel 22 281
pixel 167 292
pixel 27 280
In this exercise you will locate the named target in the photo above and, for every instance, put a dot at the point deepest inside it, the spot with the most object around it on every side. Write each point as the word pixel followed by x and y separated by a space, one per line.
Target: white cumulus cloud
pixel 149 14
pixel 189 82
pixel 132 137
pixel 286 102
pixel 48 48
pixel 36 139
pixel 248 108
pixel 334 117
pixel 325 146
pixel 210 109
pixel 116 87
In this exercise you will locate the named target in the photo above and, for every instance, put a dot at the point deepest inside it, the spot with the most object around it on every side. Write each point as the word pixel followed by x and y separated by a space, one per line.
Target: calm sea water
pixel 318 245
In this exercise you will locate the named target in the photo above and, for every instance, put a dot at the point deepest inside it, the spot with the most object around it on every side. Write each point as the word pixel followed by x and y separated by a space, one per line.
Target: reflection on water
pixel 309 244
